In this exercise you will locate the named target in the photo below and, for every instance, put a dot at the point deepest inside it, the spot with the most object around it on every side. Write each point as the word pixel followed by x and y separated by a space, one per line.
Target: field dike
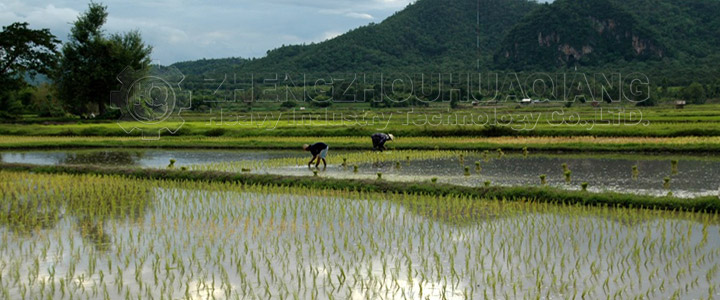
pixel 709 204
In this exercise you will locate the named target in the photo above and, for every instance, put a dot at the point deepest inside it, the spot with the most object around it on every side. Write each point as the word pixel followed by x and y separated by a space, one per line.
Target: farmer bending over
pixel 379 140
pixel 318 151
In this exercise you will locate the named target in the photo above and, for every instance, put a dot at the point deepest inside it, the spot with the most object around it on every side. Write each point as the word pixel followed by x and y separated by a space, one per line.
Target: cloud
pixel 329 35
pixel 350 14
pixel 182 30
pixel 360 15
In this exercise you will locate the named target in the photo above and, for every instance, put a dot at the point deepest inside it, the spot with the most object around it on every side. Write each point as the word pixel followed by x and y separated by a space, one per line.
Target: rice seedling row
pixel 94 236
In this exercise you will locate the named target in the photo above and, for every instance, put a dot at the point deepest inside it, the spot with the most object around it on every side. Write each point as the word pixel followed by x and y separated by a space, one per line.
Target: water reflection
pixel 103 157
pixel 148 158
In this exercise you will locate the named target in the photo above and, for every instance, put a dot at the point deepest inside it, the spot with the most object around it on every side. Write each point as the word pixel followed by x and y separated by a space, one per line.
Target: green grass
pixel 539 194
pixel 543 121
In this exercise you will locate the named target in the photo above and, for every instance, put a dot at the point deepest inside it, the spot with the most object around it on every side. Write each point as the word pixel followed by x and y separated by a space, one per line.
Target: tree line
pixel 81 73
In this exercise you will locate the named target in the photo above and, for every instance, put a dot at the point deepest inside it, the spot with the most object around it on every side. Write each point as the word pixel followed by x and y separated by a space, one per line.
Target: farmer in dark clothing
pixel 318 151
pixel 379 140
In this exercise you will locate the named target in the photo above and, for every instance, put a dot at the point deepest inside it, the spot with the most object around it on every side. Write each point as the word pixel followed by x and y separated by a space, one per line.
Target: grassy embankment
pixel 531 121
pixel 539 194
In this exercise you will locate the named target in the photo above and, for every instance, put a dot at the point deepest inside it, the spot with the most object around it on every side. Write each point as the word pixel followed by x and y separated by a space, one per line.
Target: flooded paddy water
pixel 64 236
pixel 689 175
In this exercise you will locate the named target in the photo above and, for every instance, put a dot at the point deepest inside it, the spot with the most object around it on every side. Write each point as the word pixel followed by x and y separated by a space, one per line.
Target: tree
pixel 23 51
pixel 92 61
pixel 695 93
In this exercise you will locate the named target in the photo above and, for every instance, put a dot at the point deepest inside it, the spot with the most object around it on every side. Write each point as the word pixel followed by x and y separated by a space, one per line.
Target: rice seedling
pixel 172 164
pixel 487 183
pixel 467 171
pixel 500 153
pixel 315 173
pixel 525 152
pixel 543 180
pixel 355 168
pixel 584 186
pixel 364 157
pixel 397 165
pixel 434 180
pixel 379 175
pixel 478 167
pixel 100 236
pixel 666 183
pixel 674 166
pixel 635 172
pixel 568 176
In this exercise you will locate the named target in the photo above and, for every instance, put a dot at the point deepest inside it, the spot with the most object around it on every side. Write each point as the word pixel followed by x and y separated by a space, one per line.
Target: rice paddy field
pixel 448 212
pixel 112 237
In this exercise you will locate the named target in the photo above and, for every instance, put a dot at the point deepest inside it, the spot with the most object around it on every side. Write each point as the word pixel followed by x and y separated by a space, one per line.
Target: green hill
pixel 679 40
pixel 429 35
pixel 584 32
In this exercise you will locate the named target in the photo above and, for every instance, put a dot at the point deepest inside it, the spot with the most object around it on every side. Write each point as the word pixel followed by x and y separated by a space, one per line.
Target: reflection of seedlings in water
pixel 355 168
pixel 666 183
pixel 487 183
pixel 584 186
pixel 467 171
pixel 635 172
pixel 478 168
pixel 568 176
pixel 674 166
pixel 379 175
pixel 24 215
pixel 543 180
pixel 121 158
pixel 434 179
pixel 525 152
pixel 93 231
pixel 172 164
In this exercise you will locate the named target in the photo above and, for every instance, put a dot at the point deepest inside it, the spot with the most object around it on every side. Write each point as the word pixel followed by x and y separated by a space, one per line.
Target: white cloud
pixel 191 29
pixel 360 15
pixel 329 35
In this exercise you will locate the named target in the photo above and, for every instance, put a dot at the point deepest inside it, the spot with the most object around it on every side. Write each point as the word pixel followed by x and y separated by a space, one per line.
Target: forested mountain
pixel 429 35
pixel 663 37
pixel 690 27
pixel 597 32
pixel 584 32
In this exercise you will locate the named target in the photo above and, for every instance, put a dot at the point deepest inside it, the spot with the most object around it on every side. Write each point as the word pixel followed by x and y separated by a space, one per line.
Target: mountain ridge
pixel 443 36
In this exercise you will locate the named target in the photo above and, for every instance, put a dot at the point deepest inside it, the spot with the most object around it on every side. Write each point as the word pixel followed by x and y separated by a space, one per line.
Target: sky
pixel 181 30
